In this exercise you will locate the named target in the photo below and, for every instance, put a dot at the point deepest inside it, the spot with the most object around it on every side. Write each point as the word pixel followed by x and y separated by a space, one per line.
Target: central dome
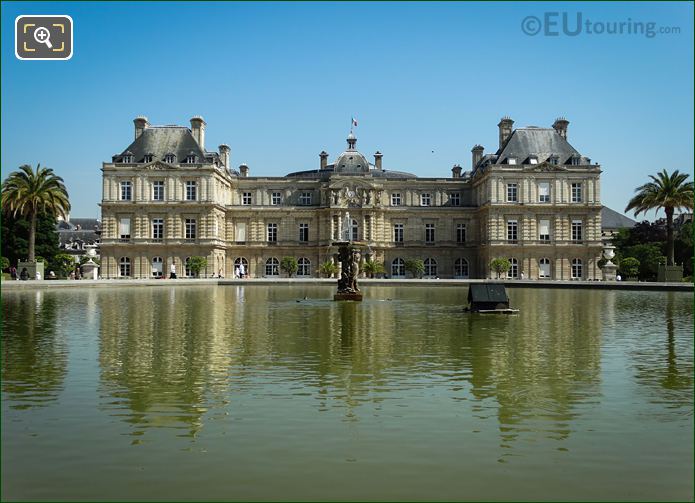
pixel 351 161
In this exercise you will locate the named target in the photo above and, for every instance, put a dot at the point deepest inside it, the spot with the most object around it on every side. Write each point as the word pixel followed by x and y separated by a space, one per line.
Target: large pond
pixel 253 393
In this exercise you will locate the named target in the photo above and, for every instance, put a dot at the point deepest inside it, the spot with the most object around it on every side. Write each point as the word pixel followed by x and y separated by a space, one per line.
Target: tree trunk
pixel 32 237
pixel 669 236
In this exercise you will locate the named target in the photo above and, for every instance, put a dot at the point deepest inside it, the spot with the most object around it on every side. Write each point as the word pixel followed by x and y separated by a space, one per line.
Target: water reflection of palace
pixel 169 356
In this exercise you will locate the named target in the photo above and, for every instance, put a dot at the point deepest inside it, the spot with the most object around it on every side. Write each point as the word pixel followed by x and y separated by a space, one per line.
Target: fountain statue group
pixel 349 258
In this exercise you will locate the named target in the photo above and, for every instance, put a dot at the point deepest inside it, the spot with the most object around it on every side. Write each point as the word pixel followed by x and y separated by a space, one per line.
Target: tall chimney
pixel 198 130
pixel 377 160
pixel 477 151
pixel 141 124
pixel 244 170
pixel 324 159
pixel 505 126
pixel 456 171
pixel 560 126
pixel 225 155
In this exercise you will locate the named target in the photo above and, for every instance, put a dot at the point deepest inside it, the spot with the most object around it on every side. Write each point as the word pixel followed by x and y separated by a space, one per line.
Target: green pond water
pixel 244 393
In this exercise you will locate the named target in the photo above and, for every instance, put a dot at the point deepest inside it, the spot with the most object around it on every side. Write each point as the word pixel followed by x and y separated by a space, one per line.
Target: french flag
pixel 354 122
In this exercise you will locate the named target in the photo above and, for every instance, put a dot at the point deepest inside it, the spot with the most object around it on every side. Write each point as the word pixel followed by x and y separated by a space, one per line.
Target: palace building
pixel 534 200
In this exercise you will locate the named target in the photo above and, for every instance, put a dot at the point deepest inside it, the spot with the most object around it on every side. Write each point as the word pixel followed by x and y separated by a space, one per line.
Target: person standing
pixel 236 272
pixel 172 271
pixel 242 270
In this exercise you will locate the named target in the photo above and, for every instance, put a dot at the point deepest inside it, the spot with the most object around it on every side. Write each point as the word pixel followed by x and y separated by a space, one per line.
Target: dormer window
pixel 511 160
pixel 553 159
pixel 533 159
pixel 148 158
pixel 170 158
pixel 574 160
pixel 190 159
pixel 127 158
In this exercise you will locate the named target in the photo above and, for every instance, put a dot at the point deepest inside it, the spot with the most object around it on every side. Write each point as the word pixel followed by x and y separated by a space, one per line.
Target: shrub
pixel 289 265
pixel 197 264
pixel 416 267
pixel 500 266
pixel 328 268
pixel 4 263
pixel 372 267
pixel 64 264
pixel 629 266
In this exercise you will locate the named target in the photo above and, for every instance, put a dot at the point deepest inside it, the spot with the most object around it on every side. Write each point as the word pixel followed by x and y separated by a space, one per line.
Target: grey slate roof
pixel 542 142
pixel 162 140
pixel 611 219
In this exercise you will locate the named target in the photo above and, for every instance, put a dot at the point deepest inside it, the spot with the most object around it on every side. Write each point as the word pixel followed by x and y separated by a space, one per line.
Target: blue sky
pixel 279 82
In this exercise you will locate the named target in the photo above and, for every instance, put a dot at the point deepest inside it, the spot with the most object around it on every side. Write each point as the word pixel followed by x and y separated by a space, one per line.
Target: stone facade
pixel 535 201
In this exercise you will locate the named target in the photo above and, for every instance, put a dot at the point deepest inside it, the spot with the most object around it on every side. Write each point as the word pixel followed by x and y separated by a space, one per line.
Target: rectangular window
pixel 124 228
pixel 246 198
pixel 512 191
pixel 240 232
pixel 455 199
pixel 396 199
pixel 126 191
pixel 398 233
pixel 544 230
pixel 190 229
pixel 576 192
pixel 276 199
pixel 512 230
pixel 544 192
pixel 305 199
pixel 158 190
pixel 304 232
pixel 511 160
pixel 533 160
pixel 272 233
pixel 460 233
pixel 157 229
pixel 191 190
pixel 429 233
pixel 577 230
pixel 425 200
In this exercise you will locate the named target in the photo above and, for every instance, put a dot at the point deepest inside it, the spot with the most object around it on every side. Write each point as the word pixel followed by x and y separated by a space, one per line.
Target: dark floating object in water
pixel 489 298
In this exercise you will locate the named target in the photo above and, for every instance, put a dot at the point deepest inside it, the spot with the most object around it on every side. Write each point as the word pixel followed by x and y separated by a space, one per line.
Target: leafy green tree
pixel 649 255
pixel 197 264
pixel 500 266
pixel 289 265
pixel 328 268
pixel 372 268
pixel 4 263
pixel 629 266
pixel 27 193
pixel 416 267
pixel 64 264
pixel 684 248
pixel 668 192
pixel 15 237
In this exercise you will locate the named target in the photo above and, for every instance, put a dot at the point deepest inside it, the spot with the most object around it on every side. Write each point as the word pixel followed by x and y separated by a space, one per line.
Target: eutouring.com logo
pixel 555 24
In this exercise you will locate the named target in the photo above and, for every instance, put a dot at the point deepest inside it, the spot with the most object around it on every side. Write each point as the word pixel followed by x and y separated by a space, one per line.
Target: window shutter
pixel 124 227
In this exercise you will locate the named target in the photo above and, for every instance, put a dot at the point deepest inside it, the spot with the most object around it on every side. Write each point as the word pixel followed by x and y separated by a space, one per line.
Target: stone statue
pixel 347 227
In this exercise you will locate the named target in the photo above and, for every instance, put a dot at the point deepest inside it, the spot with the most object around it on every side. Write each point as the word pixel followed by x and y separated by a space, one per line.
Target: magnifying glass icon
pixel 43 36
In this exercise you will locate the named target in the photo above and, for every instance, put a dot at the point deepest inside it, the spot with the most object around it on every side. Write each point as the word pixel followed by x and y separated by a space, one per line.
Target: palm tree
pixel 666 192
pixel 27 193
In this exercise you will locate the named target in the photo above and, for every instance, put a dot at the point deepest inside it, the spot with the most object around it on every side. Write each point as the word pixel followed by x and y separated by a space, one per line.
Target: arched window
pixel 513 269
pixel 544 268
pixel 241 265
pixel 124 267
pixel 461 268
pixel 398 268
pixel 577 268
pixel 355 230
pixel 157 267
pixel 304 267
pixel 430 267
pixel 188 272
pixel 272 267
